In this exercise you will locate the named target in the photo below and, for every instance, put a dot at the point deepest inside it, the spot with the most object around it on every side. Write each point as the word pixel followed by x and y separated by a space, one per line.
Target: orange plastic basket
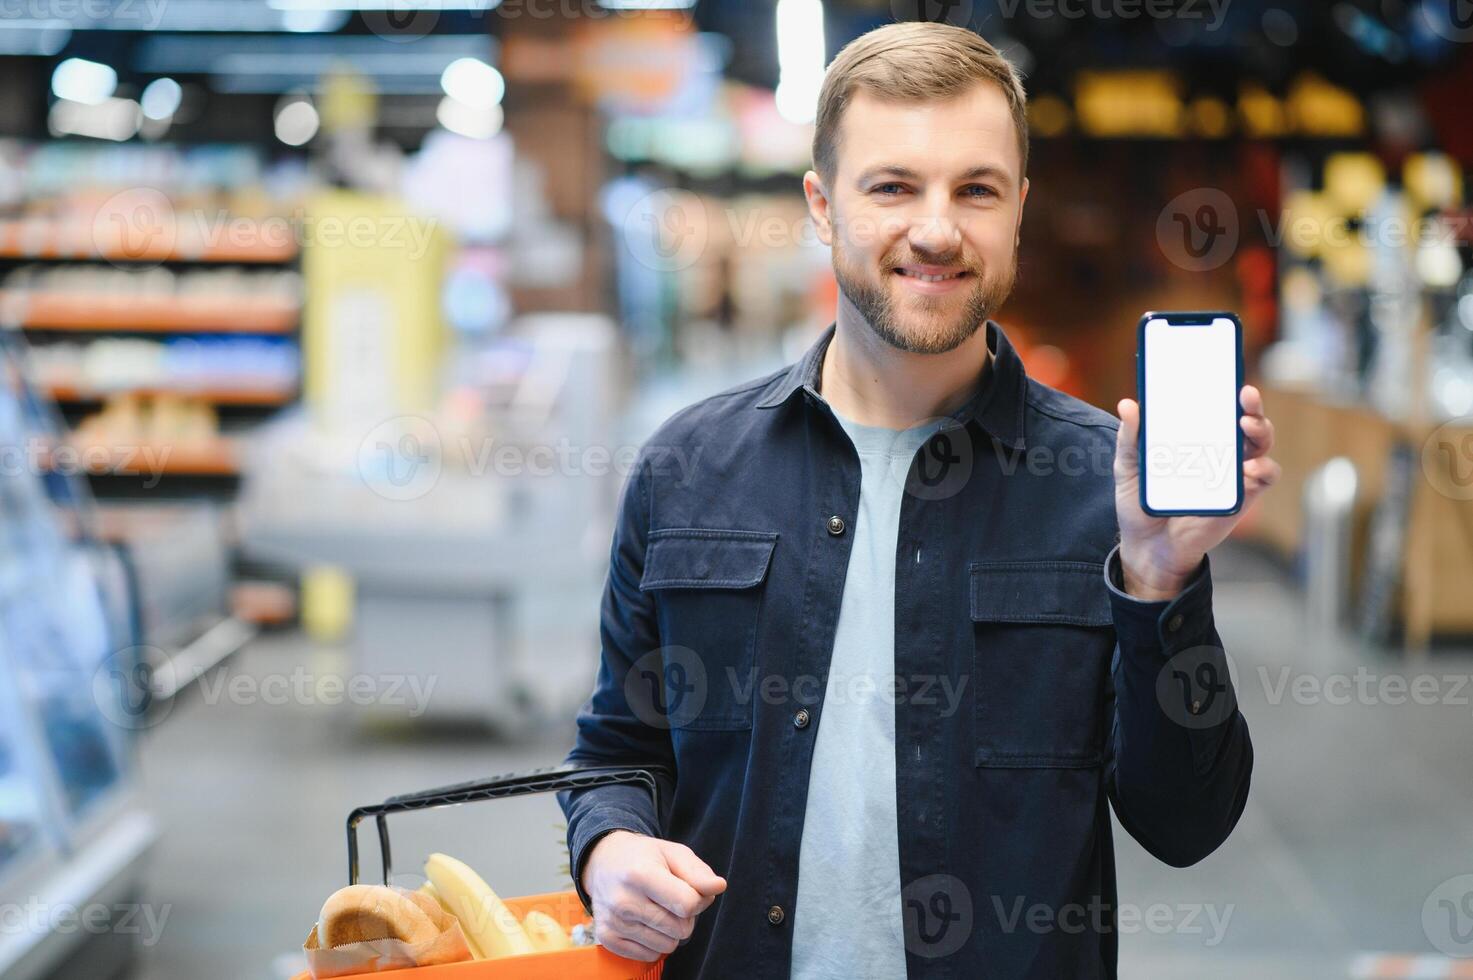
pixel 579 963
pixel 582 963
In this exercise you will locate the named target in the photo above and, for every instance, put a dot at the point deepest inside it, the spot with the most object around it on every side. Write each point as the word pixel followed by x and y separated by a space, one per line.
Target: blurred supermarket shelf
pixel 148 459
pixel 219 395
pixel 47 239
pixel 149 314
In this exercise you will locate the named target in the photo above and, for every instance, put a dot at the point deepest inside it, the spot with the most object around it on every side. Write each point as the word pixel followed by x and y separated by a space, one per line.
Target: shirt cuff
pixel 589 832
pixel 1168 625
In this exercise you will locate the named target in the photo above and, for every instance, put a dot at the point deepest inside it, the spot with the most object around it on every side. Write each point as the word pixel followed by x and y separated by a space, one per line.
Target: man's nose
pixel 934 232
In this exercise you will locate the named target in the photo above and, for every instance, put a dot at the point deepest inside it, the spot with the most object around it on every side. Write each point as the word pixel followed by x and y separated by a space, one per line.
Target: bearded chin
pixel 938 336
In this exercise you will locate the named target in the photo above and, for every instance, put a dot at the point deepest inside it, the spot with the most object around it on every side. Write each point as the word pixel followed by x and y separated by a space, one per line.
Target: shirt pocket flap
pixel 706 558
pixel 1067 592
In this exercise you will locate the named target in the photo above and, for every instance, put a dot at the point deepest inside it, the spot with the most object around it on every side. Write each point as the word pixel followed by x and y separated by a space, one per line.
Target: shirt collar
pixel 997 407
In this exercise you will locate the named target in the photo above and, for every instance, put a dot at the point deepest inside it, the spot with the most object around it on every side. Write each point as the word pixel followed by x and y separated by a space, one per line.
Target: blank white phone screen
pixel 1191 415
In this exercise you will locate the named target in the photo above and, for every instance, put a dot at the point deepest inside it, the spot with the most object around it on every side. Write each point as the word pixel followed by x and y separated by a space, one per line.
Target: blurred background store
pixel 330 328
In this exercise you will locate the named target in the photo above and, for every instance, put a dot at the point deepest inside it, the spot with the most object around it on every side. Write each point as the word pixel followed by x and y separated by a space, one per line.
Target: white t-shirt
pixel 847 921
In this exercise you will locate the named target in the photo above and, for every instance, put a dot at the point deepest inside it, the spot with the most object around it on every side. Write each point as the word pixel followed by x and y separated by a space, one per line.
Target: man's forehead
pixel 975 127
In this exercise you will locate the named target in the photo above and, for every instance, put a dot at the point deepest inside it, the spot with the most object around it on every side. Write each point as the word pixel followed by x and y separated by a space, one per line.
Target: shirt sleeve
pixel 1179 758
pixel 611 730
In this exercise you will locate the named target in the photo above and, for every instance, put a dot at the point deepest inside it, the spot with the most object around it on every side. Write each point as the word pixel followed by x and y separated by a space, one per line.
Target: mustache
pixel 953 259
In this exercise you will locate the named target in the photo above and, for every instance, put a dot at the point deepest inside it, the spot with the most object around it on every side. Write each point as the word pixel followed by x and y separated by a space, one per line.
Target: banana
pixel 484 918
pixel 428 888
pixel 545 932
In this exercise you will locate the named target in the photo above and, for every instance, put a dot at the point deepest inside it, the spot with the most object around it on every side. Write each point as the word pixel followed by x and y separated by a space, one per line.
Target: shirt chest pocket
pixel 708 585
pixel 1043 641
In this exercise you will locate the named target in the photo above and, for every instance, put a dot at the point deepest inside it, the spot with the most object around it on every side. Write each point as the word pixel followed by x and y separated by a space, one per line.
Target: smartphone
pixel 1189 372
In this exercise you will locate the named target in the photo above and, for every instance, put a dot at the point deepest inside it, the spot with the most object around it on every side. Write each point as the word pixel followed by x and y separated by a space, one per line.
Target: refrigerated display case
pixel 23 840
pixel 72 835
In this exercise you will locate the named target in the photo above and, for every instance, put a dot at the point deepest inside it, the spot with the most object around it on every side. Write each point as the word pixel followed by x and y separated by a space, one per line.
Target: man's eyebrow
pixel 905 173
pixel 888 170
pixel 988 171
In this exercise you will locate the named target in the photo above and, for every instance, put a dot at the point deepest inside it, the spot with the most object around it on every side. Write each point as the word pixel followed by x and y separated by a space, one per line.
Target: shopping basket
pixel 579 963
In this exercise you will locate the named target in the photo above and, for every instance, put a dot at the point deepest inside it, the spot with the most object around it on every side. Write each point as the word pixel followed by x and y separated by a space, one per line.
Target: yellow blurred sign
pixel 348 100
pixel 373 333
pixel 1128 103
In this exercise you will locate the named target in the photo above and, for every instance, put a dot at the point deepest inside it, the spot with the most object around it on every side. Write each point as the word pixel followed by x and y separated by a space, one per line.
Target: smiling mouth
pixel 930 277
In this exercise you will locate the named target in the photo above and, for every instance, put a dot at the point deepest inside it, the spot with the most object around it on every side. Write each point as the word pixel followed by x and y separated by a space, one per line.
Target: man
pixel 903 631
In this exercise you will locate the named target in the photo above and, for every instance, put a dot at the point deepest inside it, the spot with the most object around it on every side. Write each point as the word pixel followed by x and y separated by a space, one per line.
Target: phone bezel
pixel 1187 318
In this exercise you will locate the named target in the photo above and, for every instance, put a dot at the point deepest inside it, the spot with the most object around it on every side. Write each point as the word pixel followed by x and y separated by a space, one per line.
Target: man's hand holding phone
pixel 1158 555
pixel 646 893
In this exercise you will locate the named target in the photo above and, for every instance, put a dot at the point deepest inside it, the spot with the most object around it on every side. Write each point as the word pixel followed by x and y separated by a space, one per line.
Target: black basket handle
pixel 555 779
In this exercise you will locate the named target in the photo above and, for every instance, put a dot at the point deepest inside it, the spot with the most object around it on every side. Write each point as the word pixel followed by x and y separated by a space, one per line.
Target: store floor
pixel 1359 810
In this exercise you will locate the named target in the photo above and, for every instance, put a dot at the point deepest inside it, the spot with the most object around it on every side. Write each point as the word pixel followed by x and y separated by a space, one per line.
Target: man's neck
pixel 867 381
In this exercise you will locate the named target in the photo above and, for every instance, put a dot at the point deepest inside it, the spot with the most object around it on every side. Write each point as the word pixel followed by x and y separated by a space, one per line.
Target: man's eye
pixel 888 188
pixel 979 190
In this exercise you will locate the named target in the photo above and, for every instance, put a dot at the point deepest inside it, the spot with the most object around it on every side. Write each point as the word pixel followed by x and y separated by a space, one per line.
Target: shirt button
pixel 800 720
pixel 775 915
pixel 1174 623
pixel 836 524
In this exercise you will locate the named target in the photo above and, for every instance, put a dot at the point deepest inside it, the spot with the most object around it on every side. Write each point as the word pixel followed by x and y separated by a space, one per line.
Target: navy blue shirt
pixel 1031 692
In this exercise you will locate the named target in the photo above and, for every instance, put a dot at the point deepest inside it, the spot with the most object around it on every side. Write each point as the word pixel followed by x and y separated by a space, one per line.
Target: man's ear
pixel 1022 199
pixel 818 206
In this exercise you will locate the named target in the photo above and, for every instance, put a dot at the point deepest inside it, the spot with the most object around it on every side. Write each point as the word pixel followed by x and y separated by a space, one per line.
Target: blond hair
pixel 913 61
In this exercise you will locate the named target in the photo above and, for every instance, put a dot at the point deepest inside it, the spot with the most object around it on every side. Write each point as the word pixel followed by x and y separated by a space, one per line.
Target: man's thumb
pixel 1126 451
pixel 684 864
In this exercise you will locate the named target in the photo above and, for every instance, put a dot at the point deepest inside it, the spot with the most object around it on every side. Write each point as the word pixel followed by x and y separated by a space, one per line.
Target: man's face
pixel 923 214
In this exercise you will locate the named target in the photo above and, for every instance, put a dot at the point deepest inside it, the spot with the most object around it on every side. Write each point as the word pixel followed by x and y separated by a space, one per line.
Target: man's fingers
pixel 629 927
pixel 1261 473
pixel 1126 454
pixel 643 906
pixel 660 920
pixel 693 871
pixel 627 948
pixel 1260 433
pixel 670 893
pixel 1252 400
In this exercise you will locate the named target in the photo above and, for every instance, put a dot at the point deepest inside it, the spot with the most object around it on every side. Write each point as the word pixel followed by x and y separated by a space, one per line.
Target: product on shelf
pixel 81 297
pixel 161 419
pixel 84 201
pixel 153 435
pixel 232 370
